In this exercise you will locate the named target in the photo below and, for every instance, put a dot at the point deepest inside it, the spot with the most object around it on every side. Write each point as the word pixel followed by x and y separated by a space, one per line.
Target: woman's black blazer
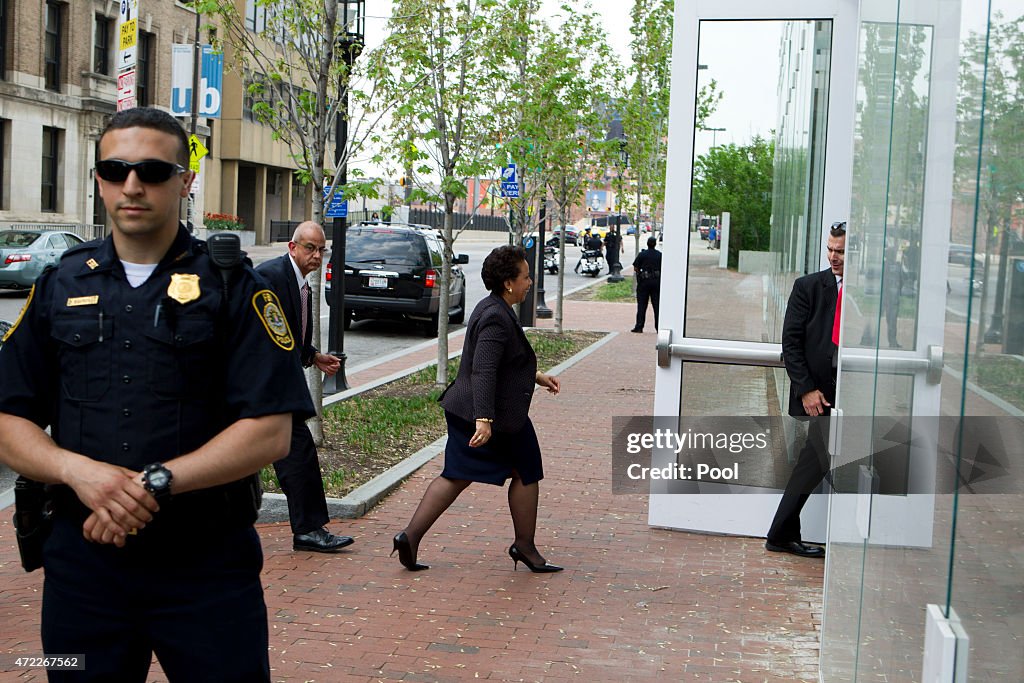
pixel 498 371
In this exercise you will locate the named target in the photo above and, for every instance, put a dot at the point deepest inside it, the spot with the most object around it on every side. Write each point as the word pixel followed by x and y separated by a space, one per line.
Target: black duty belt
pixel 228 506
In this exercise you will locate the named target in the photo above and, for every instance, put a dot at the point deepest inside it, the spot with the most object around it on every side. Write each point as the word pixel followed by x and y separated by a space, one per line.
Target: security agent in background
pixel 299 472
pixel 810 338
pixel 647 268
pixel 166 385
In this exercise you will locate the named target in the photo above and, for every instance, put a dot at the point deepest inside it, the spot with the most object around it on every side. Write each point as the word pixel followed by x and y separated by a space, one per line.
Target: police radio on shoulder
pixel 157 480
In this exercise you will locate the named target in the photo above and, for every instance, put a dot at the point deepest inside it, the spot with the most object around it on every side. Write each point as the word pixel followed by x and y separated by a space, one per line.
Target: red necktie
pixel 839 315
pixel 304 302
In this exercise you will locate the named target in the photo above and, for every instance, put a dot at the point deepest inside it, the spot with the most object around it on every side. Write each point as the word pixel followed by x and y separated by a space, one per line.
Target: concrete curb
pixel 361 500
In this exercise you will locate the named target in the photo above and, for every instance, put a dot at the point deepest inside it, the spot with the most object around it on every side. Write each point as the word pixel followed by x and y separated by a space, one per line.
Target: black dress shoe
pixel 636 330
pixel 320 541
pixel 403 546
pixel 517 557
pixel 796 548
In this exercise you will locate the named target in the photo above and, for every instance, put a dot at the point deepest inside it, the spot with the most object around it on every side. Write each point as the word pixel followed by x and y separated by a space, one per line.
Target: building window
pixel 53 47
pixel 3 39
pixel 51 168
pixel 99 209
pixel 255 17
pixel 143 69
pixel 3 162
pixel 101 46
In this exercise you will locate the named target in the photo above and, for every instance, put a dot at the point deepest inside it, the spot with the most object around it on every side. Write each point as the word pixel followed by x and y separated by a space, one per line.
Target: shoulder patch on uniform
pixel 268 308
pixel 24 309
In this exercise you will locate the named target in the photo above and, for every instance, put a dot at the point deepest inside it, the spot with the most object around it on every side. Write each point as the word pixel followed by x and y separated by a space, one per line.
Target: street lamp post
pixel 542 307
pixel 714 135
pixel 351 15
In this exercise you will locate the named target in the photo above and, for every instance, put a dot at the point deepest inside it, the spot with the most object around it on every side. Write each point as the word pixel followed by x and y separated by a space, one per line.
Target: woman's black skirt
pixel 495 461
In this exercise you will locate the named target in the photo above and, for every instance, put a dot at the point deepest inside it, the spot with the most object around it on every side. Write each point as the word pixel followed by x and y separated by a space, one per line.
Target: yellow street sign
pixel 196 151
pixel 129 34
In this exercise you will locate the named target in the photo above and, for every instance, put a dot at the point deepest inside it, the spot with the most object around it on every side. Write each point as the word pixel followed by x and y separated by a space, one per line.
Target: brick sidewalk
pixel 634 604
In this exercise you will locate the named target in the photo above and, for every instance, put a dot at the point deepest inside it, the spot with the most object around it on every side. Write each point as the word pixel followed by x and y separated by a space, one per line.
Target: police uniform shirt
pixel 648 260
pixel 132 376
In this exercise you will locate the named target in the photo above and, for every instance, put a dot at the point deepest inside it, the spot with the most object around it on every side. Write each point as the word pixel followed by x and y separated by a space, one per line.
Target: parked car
pixel 572 233
pixel 960 253
pixel 393 271
pixel 25 253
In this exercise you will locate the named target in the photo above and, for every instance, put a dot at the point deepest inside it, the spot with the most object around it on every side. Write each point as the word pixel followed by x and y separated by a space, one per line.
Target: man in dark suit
pixel 299 471
pixel 810 339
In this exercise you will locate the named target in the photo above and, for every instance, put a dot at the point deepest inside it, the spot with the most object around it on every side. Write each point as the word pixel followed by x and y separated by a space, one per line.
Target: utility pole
pixel 197 55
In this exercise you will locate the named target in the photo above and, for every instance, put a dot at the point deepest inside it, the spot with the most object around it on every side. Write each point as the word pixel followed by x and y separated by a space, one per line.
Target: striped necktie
pixel 304 302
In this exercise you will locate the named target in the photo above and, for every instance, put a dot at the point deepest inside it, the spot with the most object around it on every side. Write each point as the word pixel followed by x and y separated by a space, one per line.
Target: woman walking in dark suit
pixel 490 436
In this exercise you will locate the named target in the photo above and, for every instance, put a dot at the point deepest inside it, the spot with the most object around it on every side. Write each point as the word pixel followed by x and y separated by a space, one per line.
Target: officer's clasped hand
pixel 119 503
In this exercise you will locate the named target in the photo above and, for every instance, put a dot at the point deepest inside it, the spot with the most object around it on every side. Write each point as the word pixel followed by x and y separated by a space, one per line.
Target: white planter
pixel 247 237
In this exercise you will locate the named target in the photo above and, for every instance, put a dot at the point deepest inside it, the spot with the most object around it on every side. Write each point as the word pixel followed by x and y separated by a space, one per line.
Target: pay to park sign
pixel 127 43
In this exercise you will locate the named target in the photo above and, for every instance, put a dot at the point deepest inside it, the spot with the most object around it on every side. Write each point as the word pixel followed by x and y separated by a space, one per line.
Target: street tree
pixel 289 57
pixel 645 105
pixel 738 179
pixel 551 112
pixel 435 66
pixel 990 151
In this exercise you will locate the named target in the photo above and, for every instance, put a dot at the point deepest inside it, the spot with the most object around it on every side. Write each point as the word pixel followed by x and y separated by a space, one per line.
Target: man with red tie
pixel 299 471
pixel 810 344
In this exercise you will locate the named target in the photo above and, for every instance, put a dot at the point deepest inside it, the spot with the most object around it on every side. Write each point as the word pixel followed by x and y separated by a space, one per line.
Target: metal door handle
pixel 770 355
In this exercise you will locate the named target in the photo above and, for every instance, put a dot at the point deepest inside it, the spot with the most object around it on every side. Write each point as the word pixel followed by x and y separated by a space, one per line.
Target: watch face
pixel 158 479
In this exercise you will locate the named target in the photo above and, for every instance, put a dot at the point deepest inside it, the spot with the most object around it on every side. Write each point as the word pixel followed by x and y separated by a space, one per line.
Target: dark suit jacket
pixel 498 371
pixel 807 347
pixel 281 276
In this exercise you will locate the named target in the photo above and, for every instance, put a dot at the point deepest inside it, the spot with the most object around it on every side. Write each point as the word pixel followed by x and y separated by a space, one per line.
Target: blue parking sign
pixel 338 208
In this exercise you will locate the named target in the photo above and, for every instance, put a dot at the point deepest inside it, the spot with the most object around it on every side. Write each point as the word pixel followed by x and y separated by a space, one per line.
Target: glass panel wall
pixel 985 342
pixel 929 471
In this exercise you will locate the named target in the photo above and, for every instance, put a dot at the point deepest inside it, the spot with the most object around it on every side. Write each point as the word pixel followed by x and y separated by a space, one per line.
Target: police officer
pixel 612 248
pixel 166 385
pixel 584 240
pixel 647 268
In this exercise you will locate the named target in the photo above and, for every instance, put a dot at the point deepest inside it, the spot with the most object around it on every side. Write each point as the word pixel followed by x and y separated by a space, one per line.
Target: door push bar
pixel 764 354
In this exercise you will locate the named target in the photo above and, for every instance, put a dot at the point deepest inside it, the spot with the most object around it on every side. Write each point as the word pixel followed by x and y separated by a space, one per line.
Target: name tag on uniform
pixel 83 300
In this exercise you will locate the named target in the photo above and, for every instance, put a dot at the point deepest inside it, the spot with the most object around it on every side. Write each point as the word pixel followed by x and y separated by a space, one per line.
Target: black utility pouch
pixel 33 521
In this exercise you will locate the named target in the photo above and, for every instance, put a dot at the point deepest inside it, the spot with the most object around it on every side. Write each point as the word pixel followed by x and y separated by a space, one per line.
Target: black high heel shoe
pixel 405 554
pixel 518 557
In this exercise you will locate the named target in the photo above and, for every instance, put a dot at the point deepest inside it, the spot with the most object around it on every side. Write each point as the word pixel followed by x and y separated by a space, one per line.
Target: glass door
pixel 760 160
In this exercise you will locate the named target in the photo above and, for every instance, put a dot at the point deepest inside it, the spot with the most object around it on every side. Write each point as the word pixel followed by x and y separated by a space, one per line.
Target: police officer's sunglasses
pixel 151 171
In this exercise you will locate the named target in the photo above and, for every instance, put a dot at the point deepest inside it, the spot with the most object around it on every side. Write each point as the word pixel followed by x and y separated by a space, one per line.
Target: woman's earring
pixel 509 290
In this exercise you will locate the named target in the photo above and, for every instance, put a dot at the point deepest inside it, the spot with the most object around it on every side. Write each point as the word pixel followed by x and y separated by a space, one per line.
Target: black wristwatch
pixel 157 480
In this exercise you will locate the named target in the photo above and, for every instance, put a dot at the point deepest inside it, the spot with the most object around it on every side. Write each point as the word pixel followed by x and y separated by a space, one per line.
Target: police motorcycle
pixel 591 262
pixel 551 259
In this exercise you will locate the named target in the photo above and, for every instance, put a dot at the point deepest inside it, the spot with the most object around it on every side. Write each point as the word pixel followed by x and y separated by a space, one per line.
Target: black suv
pixel 393 270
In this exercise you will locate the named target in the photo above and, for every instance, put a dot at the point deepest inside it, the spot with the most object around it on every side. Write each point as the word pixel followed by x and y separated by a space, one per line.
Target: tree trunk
pixel 561 270
pixel 446 278
pixel 314 379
